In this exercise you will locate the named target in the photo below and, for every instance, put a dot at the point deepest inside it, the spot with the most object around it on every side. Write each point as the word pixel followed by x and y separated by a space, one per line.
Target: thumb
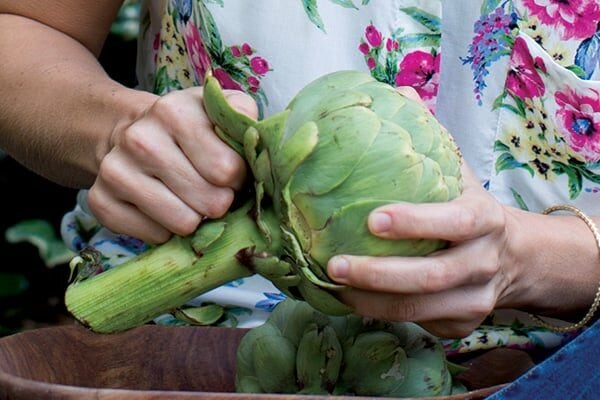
pixel 242 102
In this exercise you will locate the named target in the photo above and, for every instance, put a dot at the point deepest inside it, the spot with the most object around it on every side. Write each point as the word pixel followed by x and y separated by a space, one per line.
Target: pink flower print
pixel 254 83
pixel 391 44
pixel 523 80
pixel 371 63
pixel 578 116
pixel 246 49
pixel 156 42
pixel 259 65
pixel 196 51
pixel 225 79
pixel 364 48
pixel 574 19
pixel 420 70
pixel 373 36
pixel 235 51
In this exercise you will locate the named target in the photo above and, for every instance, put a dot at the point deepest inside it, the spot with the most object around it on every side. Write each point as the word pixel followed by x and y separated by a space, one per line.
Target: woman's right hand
pixel 167 170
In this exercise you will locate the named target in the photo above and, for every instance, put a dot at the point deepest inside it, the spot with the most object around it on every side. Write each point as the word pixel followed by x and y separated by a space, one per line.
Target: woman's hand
pixel 166 170
pixel 449 292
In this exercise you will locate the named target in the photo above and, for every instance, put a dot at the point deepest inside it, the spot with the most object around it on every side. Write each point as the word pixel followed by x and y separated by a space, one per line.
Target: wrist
pixel 555 262
pixel 129 105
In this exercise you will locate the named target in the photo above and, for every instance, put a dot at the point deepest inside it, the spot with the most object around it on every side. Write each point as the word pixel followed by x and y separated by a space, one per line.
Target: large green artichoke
pixel 300 350
pixel 345 145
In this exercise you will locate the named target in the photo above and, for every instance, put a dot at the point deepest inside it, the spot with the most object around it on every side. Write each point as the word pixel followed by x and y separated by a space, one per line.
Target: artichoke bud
pixel 345 145
pixel 293 317
pixel 319 359
pixel 428 373
pixel 375 364
pixel 275 364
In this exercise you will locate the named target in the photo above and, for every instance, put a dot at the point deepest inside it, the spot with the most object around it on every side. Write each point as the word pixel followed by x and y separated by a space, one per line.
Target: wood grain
pixel 146 363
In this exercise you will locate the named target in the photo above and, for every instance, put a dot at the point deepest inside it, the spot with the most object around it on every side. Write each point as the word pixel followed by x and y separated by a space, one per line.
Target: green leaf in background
pixel 574 177
pixel 365 2
pixel 499 146
pixel 430 21
pixel 507 161
pixel 489 5
pixel 420 40
pixel 12 284
pixel 310 6
pixel 519 199
pixel 587 173
pixel 208 31
pixel 577 70
pixel 345 3
pixel 41 234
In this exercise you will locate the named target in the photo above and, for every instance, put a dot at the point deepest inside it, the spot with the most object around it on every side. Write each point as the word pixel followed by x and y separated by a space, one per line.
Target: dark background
pixel 26 195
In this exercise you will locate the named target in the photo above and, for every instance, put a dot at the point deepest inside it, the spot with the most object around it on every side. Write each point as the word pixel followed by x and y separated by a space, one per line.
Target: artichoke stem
pixel 165 277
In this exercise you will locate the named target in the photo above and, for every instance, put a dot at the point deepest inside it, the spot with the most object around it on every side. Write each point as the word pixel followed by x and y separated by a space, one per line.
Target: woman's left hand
pixel 449 292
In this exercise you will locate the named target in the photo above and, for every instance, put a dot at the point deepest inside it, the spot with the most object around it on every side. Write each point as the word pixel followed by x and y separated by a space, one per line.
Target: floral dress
pixel 515 81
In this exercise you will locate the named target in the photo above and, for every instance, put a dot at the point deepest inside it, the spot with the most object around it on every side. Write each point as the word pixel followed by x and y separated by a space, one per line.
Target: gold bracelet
pixel 588 221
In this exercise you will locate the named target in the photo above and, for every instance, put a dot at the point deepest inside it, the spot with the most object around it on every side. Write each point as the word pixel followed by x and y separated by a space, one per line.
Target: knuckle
pixel 490 267
pixel 99 206
pixel 438 276
pixel 156 236
pixel 167 106
pixel 370 277
pixel 401 310
pixel 467 222
pixel 187 225
pixel 136 141
pixel 220 203
pixel 227 170
pixel 110 172
pixel 484 306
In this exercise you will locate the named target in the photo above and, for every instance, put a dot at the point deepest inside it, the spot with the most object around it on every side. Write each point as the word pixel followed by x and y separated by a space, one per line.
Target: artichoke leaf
pixel 203 315
pixel 232 123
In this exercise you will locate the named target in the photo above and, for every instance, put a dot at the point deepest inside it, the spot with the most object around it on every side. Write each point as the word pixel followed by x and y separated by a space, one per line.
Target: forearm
pixel 58 107
pixel 558 263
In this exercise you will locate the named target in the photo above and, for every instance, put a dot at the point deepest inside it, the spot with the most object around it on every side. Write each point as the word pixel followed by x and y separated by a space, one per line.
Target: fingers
pixel 124 218
pixel 471 263
pixel 121 183
pixel 471 215
pixel 168 169
pixel 146 149
pixel 180 117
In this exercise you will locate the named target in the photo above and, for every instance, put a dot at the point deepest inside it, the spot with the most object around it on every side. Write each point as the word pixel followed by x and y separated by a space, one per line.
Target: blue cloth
pixel 570 373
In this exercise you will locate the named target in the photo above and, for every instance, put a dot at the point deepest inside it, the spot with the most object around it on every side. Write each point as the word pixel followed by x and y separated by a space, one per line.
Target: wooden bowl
pixel 146 363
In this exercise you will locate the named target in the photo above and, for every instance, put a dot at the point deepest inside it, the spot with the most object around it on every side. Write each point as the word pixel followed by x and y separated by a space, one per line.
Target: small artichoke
pixel 374 358
pixel 345 145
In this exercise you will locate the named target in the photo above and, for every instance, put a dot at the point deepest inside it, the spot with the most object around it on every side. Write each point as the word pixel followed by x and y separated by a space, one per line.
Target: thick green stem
pixel 168 275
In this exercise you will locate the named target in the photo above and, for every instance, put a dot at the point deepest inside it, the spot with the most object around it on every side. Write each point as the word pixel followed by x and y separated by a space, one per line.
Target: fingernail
pixel 338 267
pixel 380 222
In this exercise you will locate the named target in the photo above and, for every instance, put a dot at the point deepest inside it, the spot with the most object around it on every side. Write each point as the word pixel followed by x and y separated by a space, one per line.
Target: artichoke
pixel 345 145
pixel 375 358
